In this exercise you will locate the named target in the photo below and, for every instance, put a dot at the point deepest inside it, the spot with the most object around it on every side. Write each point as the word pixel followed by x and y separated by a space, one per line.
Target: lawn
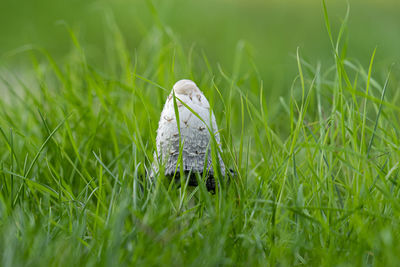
pixel 306 99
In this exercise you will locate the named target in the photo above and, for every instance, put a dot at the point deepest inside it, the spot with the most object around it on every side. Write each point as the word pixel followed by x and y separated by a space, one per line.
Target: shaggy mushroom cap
pixel 194 133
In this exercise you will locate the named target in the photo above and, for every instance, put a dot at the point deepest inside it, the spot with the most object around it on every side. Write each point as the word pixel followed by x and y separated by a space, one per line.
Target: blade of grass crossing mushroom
pixel 212 135
pixel 180 159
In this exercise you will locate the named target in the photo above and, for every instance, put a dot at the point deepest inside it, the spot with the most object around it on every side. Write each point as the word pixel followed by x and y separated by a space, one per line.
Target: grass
pixel 317 172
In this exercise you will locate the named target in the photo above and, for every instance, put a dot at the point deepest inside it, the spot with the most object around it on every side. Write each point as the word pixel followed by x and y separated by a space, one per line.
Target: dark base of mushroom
pixel 210 181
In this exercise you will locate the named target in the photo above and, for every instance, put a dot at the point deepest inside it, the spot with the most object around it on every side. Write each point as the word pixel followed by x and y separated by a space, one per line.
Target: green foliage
pixel 317 173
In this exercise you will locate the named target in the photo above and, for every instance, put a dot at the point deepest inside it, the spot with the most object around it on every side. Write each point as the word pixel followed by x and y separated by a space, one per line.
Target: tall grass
pixel 316 180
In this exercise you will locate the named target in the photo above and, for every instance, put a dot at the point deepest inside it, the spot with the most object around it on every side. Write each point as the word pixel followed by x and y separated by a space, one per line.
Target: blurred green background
pixel 272 30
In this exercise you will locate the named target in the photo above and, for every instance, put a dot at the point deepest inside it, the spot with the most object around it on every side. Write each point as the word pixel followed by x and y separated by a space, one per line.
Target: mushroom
pixel 194 136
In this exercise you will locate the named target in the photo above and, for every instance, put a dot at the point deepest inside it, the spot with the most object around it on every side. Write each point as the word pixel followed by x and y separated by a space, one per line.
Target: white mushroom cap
pixel 185 87
pixel 194 133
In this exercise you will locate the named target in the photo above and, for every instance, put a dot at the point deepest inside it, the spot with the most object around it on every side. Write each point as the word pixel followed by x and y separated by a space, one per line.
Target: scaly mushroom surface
pixel 195 135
